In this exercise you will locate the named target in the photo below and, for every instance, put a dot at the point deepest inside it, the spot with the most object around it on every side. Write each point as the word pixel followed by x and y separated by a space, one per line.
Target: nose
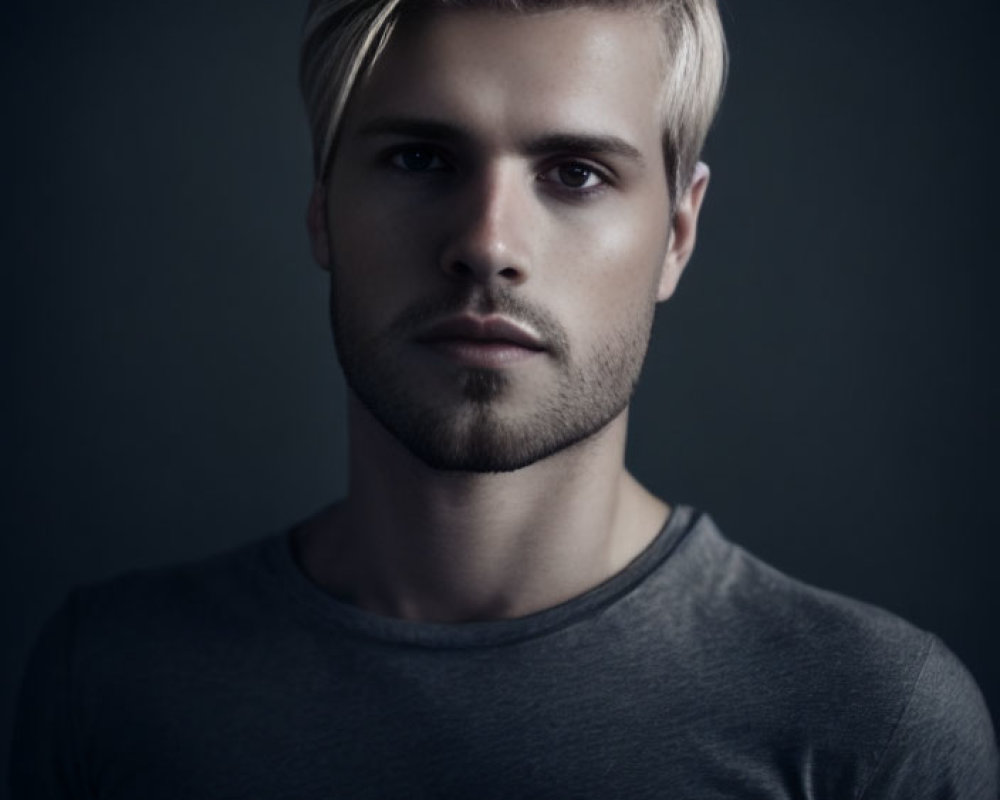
pixel 488 241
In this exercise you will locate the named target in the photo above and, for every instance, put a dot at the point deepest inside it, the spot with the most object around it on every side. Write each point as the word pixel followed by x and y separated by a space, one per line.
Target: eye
pixel 575 176
pixel 417 158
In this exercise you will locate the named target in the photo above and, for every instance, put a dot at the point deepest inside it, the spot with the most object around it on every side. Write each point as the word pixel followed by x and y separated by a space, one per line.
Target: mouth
pixel 487 342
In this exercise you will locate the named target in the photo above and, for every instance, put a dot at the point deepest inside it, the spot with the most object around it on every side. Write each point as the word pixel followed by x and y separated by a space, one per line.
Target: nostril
pixel 483 268
pixel 461 269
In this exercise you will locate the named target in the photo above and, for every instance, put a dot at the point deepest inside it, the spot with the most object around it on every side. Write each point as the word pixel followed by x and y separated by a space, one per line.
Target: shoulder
pixel 943 743
pixel 151 620
pixel 218 584
pixel 758 602
pixel 121 650
pixel 847 679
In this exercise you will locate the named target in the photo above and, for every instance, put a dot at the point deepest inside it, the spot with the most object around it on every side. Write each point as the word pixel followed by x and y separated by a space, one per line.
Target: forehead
pixel 505 72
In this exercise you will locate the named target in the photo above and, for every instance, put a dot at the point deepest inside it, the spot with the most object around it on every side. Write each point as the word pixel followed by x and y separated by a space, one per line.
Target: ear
pixel 683 233
pixel 319 234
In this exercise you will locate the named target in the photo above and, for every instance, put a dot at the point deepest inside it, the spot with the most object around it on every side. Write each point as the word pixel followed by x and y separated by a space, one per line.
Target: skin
pixel 539 196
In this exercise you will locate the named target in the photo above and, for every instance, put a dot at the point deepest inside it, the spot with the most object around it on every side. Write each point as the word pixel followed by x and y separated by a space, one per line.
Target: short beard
pixel 472 435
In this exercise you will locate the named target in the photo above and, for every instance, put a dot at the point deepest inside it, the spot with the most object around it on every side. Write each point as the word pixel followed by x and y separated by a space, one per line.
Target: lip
pixel 489 330
pixel 490 341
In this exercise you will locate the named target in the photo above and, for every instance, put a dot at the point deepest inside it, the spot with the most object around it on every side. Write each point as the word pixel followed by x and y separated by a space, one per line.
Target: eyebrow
pixel 573 142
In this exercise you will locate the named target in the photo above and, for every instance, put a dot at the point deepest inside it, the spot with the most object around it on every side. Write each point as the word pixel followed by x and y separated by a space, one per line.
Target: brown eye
pixel 575 176
pixel 417 159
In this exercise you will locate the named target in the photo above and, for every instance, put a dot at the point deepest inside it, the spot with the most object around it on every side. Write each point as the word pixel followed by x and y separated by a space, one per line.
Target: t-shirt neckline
pixel 332 612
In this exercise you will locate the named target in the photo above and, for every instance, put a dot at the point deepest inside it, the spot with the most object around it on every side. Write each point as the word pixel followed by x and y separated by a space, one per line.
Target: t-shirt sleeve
pixel 44 754
pixel 943 746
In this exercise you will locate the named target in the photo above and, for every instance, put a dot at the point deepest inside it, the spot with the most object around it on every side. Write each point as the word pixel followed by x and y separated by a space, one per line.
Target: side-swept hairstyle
pixel 343 39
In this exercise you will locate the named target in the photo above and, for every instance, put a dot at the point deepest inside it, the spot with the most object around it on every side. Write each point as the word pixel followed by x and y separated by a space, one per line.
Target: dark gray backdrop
pixel 823 382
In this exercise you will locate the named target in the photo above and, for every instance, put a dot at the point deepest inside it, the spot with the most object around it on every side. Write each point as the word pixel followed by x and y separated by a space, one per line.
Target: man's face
pixel 497 225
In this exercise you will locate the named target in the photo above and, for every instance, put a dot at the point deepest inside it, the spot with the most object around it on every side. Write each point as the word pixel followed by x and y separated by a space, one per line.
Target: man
pixel 504 192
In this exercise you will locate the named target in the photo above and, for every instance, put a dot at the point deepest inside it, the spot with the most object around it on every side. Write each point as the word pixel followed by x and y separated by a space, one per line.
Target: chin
pixel 478 439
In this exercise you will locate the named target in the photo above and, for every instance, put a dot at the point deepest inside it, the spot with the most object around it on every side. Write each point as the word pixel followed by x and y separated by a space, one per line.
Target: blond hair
pixel 343 39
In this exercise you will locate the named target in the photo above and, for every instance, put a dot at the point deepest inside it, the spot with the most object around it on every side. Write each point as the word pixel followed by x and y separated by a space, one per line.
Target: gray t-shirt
pixel 697 672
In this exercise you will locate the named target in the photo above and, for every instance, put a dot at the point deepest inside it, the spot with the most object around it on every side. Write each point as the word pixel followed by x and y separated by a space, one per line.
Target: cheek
pixel 615 268
pixel 372 262
pixel 366 225
pixel 361 235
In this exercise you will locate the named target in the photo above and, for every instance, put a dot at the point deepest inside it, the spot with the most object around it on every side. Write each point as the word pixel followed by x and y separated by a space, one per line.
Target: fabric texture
pixel 697 672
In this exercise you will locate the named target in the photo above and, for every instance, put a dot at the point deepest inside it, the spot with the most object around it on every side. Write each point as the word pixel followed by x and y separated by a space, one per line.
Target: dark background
pixel 823 382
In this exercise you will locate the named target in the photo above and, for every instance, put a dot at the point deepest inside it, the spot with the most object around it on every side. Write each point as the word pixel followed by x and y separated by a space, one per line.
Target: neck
pixel 418 543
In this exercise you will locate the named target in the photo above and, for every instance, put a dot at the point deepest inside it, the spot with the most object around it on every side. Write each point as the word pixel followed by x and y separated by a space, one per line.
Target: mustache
pixel 485 302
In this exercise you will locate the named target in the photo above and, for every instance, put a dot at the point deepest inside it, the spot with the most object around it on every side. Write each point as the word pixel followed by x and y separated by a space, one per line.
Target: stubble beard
pixel 475 429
